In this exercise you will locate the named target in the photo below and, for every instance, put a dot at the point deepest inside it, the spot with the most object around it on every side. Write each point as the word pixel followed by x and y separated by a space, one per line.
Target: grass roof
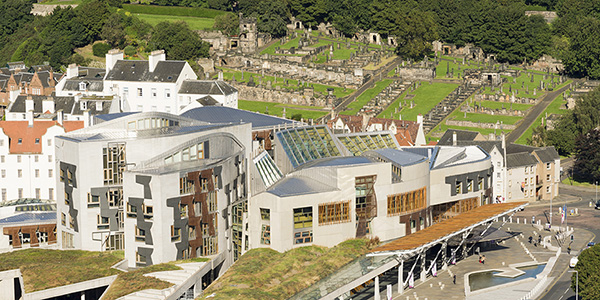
pixel 43 268
pixel 267 274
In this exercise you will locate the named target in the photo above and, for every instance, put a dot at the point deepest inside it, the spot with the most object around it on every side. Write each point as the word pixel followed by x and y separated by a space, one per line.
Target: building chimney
pixel 86 118
pixel 51 81
pixel 30 118
pixel 112 57
pixel 220 75
pixel 48 105
pixel 419 119
pixel 59 116
pixel 29 103
pixel 454 142
pixel 72 71
pixel 155 57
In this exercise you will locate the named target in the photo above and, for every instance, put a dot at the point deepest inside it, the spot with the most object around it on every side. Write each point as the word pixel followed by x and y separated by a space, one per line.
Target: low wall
pixel 480 125
pixel 44 10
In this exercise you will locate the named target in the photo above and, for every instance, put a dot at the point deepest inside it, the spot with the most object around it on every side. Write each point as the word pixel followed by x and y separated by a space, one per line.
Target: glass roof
pixel 358 144
pixel 304 144
pixel 269 172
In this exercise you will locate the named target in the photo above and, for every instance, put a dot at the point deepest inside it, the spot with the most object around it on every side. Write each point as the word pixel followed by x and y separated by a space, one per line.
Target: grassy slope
pixel 43 269
pixel 366 96
pixel 498 105
pixel 268 274
pixel 458 115
pixel 276 109
pixel 194 22
pixel 173 11
pixel 426 97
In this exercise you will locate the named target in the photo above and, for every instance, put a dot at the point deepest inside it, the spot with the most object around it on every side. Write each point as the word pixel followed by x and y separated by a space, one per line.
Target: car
pixel 597 206
pixel 573 261
pixel 589 245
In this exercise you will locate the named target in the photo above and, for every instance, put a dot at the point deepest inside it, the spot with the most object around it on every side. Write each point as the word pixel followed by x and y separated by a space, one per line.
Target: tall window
pixel 139 92
pixel 114 163
pixel 19 173
pixel 51 193
pixel 407 202
pixel 303 219
pixel 3 195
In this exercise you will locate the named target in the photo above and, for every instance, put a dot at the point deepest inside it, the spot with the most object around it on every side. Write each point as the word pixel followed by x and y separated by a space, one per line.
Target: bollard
pixel 431 285
pixel 517 220
pixel 503 263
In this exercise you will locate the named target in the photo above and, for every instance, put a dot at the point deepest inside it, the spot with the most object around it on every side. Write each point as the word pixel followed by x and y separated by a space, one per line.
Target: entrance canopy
pixel 439 232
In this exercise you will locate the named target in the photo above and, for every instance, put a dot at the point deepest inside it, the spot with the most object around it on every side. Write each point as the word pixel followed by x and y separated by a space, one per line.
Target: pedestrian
pixel 483 260
pixel 479 258
pixel 530 239
pixel 540 239
pixel 454 278
pixel 569 249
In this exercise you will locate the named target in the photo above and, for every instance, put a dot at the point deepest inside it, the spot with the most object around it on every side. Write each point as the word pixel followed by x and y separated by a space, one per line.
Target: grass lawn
pixel 498 105
pixel 133 281
pixel 43 269
pixel 427 96
pixel 194 22
pixel 292 84
pixel 276 109
pixel 366 96
pixel 574 182
pixel 267 274
pixel 553 108
pixel 523 80
pixel 444 65
pixel 271 49
pixel 53 2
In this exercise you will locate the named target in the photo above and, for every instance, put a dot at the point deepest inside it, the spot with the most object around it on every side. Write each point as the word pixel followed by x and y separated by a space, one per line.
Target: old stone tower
pixel 248 34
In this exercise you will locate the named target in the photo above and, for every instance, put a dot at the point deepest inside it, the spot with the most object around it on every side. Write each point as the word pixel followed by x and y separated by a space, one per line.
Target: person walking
pixel 483 259
pixel 454 278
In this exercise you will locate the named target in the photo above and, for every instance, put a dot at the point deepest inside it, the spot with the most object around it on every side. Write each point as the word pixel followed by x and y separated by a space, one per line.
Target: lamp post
pixel 576 284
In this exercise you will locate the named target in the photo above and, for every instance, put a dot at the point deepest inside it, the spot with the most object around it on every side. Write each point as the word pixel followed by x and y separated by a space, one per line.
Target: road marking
pixel 567 290
pixel 561 297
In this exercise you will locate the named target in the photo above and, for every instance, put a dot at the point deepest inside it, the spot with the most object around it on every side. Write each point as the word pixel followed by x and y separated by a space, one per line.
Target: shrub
pixel 130 50
pixel 100 49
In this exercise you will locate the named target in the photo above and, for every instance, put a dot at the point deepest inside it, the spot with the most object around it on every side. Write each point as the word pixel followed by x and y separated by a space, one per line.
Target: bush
pixel 130 51
pixel 100 49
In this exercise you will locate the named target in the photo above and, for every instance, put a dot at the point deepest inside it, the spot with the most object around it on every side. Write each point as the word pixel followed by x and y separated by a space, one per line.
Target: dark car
pixel 597 204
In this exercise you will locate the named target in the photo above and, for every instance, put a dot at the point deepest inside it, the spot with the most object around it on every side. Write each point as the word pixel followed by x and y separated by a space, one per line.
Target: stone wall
pixel 549 16
pixel 416 74
pixel 303 97
pixel 480 125
pixel 44 10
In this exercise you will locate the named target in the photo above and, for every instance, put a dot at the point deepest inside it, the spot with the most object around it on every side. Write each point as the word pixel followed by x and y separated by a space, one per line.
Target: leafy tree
pixel 220 4
pixel 13 15
pixel 538 137
pixel 113 31
pixel 583 55
pixel 100 49
pixel 93 15
pixel 274 19
pixel 589 277
pixel 130 50
pixel 587 155
pixel 178 41
pixel 228 24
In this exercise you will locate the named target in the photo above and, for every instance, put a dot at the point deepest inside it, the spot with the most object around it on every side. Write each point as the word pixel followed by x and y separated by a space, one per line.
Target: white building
pixel 27 157
pixel 159 84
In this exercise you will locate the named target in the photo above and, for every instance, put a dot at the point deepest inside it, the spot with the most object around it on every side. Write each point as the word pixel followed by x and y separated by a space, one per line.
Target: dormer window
pixel 20 141
pixel 82 86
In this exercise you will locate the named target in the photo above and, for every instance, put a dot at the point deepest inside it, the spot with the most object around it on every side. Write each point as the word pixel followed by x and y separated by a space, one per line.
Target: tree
pixel 93 15
pixel 583 55
pixel 100 49
pixel 587 156
pixel 229 24
pixel 113 31
pixel 178 41
pixel 587 267
pixel 539 136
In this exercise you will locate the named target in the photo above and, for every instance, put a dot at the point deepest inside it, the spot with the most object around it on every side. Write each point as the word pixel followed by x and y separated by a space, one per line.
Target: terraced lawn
pixel 276 109
pixel 194 22
pixel 366 96
pixel 427 96
pixel 500 105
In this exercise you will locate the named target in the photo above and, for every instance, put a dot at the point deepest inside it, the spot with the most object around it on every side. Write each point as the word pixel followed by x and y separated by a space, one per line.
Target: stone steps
pixel 447 106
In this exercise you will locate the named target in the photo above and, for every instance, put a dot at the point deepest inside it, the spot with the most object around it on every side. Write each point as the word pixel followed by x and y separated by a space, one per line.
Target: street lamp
pixel 576 284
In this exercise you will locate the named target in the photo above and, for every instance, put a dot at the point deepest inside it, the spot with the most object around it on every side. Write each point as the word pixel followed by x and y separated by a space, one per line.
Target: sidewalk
pixel 507 253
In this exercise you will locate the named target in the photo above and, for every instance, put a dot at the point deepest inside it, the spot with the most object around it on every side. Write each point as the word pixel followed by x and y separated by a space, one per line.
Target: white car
pixel 573 261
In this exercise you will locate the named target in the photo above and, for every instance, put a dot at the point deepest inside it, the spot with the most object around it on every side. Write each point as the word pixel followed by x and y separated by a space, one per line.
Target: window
pixel 82 86
pixel 37 140
pixel 69 177
pixel 140 234
pixel 3 195
pixel 265 214
pixel 131 210
pixel 37 173
pixel 498 164
pixel 103 222
pixel 212 201
pixel 167 93
pixel 413 224
pixel 37 193
pixel 125 91
pixel 50 173
pixel 19 158
pixel 2 158
pixel 509 183
pixel 469 185
pixel 36 158
pixel 547 166
pixel 332 213
pixel 20 141
pixel 498 175
pixel 422 222
pixel 547 177
pixel 480 183
pixel 167 109
pixel 71 221
pixel 139 92
pixel 183 210
pixel 265 235
pixel 548 190
pixel 153 92
pixel 51 194
pixel 49 142
pixel 115 197
pixel 175 233
pixel 63 219
pixel 19 173
pixel 140 107
pixel 185 186
pixel 509 195
pixel 407 202
pixel 303 225
pixel 526 180
pixel 114 163
pixel 3 173
pixel 458 188
pixel 140 259
pixel 148 211
pixel 49 158
pixel 1 142
pixel 93 200
pixel 20 191
pixel 531 182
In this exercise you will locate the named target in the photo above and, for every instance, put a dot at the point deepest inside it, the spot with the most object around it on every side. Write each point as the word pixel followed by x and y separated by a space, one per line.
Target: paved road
pixel 537 110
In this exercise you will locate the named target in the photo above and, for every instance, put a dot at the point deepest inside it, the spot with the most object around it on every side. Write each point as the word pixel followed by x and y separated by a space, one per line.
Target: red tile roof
pixel 406 131
pixel 16 130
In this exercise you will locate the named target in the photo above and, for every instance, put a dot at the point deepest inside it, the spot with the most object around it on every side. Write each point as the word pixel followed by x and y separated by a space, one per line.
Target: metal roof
pixel 299 185
pixel 30 218
pixel 305 144
pixel 400 157
pixel 338 162
pixel 108 117
pixel 222 114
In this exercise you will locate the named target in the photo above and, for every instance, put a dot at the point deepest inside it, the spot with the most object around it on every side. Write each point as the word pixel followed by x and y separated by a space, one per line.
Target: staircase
pixel 448 105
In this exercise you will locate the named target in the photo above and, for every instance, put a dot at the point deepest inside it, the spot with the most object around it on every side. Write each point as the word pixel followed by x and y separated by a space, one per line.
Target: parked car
pixel 597 204
pixel 573 262
pixel 589 245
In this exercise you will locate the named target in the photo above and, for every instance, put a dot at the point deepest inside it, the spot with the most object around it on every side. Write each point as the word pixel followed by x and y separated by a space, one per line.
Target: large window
pixel 114 163
pixel 194 152
pixel 103 222
pixel 186 186
pixel 140 234
pixel 407 202
pixel 265 235
pixel 265 214
pixel 331 213
pixel 175 233
pixel 303 221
